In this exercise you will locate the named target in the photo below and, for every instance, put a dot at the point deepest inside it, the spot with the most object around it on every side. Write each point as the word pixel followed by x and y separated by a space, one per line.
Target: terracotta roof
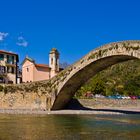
pixel 33 61
pixel 42 65
pixel 6 52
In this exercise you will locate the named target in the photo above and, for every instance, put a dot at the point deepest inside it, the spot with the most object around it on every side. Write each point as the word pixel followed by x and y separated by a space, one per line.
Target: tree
pixel 122 78
pixel 97 85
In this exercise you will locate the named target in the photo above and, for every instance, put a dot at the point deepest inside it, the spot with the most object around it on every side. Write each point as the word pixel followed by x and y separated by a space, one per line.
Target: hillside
pixel 122 78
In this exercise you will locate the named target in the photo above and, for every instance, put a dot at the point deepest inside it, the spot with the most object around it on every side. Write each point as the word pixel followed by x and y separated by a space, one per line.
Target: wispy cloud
pixel 3 36
pixel 22 42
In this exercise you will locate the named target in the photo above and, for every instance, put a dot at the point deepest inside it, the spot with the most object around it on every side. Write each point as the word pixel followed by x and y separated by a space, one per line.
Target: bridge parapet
pixel 130 48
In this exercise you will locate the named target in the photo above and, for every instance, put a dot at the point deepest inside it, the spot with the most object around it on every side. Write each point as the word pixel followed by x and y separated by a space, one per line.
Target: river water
pixel 69 127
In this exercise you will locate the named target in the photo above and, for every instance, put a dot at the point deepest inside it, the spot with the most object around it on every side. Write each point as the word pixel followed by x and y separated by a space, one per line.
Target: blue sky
pixel 74 27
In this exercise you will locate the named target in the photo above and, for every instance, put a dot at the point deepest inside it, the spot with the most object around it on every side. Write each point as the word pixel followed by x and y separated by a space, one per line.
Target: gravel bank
pixel 104 103
pixel 56 112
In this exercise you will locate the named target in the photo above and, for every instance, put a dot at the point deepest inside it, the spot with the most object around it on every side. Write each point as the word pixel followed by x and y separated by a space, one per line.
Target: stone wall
pixel 19 100
pixel 31 96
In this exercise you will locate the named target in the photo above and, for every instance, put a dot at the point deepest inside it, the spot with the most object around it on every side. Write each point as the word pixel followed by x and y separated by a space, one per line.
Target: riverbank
pixel 64 112
pixel 87 106
pixel 105 103
pixel 68 112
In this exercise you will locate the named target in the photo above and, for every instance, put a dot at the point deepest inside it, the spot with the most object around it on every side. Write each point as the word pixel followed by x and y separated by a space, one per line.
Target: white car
pixel 99 96
pixel 125 97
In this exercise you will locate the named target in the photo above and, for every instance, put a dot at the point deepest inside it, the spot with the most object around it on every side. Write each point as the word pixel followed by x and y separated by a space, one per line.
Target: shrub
pixel 1 88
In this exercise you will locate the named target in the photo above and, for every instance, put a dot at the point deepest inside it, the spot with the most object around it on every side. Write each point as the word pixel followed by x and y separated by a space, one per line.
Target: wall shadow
pixel 74 104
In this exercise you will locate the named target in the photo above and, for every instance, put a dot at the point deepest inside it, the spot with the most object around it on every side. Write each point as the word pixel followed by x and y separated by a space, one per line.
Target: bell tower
pixel 54 62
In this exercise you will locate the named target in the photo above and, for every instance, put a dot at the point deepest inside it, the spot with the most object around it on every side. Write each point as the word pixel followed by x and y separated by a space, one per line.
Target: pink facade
pixel 27 71
pixel 34 72
pixel 37 72
pixel 41 73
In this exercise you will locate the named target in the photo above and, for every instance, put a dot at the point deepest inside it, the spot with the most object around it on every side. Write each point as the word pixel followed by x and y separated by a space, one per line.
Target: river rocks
pixel 110 103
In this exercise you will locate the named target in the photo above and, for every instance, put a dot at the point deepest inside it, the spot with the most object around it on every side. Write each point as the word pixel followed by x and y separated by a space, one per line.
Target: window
pixel 51 60
pixel 1 56
pixel 13 59
pixel 2 69
pixel 10 70
pixel 27 69
pixel 7 58
pixel 1 80
pixel 10 59
pixel 56 61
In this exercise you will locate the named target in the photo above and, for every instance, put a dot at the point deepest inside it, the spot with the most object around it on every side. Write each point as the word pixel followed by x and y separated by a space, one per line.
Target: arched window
pixel 51 60
pixel 56 62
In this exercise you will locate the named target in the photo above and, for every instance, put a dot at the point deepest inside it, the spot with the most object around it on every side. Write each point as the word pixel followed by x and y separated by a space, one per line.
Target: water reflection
pixel 70 127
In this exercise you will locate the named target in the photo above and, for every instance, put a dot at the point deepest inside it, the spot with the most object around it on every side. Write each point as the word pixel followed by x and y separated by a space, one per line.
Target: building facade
pixel 37 72
pixel 8 67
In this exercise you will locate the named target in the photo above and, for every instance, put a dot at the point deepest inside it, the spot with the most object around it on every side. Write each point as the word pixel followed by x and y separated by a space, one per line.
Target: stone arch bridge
pixel 59 90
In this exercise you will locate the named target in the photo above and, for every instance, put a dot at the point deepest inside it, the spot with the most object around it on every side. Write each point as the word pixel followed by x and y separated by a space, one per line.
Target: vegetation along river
pixel 69 127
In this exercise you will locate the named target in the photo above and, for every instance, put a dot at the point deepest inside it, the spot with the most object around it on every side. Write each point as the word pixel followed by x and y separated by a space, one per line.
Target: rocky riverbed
pixel 104 103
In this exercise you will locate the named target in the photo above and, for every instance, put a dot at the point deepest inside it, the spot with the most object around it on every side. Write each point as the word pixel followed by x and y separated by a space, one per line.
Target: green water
pixel 69 127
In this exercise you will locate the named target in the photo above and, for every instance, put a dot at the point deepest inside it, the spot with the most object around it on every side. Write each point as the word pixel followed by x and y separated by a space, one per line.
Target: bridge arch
pixel 97 60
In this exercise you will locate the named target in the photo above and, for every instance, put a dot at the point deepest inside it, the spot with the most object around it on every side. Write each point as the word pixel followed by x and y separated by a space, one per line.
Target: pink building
pixel 36 72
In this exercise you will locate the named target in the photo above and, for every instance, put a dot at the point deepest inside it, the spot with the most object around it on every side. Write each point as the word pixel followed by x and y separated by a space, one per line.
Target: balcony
pixel 11 65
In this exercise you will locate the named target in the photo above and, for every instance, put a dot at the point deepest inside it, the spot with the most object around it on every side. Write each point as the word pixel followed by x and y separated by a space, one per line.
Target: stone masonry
pixel 57 92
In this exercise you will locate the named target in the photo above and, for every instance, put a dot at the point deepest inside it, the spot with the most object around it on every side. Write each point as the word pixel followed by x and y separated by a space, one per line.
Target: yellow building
pixel 8 67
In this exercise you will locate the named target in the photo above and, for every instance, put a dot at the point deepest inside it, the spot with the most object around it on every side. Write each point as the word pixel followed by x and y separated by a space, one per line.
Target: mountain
pixel 122 78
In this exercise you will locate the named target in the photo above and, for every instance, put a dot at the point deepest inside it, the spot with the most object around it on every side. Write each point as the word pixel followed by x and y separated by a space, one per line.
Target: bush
pixel 1 88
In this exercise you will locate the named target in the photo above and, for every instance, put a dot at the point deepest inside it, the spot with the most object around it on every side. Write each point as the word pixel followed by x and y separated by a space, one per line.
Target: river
pixel 69 127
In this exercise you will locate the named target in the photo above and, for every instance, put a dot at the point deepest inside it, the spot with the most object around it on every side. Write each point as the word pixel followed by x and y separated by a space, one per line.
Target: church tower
pixel 54 62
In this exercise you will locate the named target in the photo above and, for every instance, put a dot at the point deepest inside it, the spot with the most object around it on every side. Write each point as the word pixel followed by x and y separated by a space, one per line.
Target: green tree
pixel 122 78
